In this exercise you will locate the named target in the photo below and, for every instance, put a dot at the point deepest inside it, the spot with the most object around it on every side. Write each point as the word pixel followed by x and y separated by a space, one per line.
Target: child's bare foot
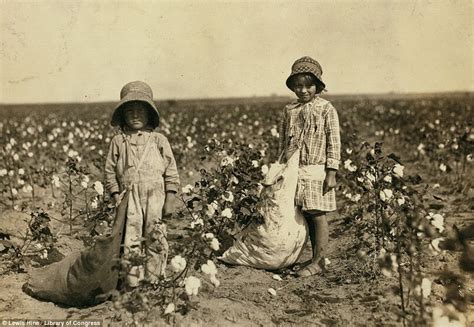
pixel 300 265
pixel 310 270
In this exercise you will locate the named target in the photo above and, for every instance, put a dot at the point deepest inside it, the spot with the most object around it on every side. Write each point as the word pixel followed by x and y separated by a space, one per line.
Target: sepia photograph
pixel 237 163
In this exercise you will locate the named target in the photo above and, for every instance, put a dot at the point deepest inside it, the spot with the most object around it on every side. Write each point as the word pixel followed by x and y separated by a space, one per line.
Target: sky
pixel 70 51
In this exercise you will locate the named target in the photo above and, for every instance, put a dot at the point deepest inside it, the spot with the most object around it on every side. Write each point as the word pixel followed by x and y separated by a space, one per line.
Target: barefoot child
pixel 311 124
pixel 140 160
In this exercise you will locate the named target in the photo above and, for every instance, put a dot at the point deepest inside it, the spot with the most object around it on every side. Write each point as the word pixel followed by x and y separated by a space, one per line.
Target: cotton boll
pixel 170 308
pixel 215 281
pixel 228 196
pixel 209 268
pixel 277 277
pixel 215 245
pixel 187 189
pixel 192 285
pixel 178 264
pixel 386 195
pixel 227 213
pixel 99 188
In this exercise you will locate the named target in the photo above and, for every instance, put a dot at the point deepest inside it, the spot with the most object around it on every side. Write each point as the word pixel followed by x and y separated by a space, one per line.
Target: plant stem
pixel 399 270
pixel 32 190
pixel 70 204
pixel 87 205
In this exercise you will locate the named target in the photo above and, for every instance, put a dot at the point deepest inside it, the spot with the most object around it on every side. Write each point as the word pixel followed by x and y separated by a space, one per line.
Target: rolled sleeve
pixel 333 139
pixel 282 133
pixel 111 181
pixel 171 176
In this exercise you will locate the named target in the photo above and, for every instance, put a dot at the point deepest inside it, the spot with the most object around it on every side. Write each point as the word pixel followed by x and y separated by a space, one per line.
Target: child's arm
pixel 171 178
pixel 111 182
pixel 329 181
pixel 333 149
pixel 333 139
pixel 282 134
pixel 171 175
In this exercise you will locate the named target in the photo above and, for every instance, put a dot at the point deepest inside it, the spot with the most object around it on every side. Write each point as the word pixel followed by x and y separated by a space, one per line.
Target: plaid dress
pixel 312 127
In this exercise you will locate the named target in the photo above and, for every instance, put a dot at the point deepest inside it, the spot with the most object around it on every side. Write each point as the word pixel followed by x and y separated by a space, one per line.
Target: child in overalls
pixel 312 125
pixel 141 160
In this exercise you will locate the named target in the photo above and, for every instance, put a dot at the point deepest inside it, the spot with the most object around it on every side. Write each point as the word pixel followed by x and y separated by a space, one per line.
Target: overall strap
pixel 145 152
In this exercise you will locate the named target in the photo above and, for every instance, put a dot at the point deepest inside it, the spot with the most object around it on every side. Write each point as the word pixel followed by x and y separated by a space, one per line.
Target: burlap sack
pixel 279 241
pixel 85 277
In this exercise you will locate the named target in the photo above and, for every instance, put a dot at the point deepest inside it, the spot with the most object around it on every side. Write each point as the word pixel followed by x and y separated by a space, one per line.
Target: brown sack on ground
pixel 82 278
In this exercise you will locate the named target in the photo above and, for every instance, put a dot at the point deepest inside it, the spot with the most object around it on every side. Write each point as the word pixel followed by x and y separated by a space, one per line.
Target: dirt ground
pixel 340 297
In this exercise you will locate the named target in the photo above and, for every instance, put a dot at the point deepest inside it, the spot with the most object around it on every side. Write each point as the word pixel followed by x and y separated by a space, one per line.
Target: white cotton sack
pixel 279 241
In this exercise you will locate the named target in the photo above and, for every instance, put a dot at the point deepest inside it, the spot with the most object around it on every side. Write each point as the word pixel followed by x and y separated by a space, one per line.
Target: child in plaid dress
pixel 312 125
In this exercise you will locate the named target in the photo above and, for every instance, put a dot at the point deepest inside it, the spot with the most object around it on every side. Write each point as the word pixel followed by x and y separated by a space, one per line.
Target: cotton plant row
pixel 449 151
pixel 18 176
pixel 426 130
pixel 36 148
pixel 45 140
pixel 397 230
pixel 40 143
pixel 21 183
pixel 189 129
pixel 443 141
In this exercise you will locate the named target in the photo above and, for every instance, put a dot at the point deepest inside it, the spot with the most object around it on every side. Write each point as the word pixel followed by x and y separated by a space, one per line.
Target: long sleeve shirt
pixel 314 128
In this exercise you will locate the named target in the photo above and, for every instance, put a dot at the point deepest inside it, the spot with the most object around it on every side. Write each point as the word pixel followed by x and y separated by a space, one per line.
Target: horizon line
pixel 431 93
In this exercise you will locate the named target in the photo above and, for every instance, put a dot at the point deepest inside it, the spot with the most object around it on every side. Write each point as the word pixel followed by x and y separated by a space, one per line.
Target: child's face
pixel 136 115
pixel 304 89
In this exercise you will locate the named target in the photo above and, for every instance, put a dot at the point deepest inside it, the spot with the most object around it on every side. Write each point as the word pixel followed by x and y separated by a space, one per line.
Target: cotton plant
pixel 395 226
pixel 225 196
pixel 81 199
pixel 8 182
pixel 35 243
pixel 222 198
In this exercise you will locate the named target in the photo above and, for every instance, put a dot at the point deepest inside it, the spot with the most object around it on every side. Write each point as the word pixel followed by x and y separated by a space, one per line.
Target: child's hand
pixel 329 181
pixel 117 199
pixel 170 203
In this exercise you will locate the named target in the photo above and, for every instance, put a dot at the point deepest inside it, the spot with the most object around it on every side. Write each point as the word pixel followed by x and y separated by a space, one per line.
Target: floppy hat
pixel 306 65
pixel 136 91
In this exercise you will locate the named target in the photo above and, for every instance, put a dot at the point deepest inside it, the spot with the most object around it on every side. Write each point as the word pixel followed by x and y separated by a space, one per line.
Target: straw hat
pixel 306 65
pixel 136 91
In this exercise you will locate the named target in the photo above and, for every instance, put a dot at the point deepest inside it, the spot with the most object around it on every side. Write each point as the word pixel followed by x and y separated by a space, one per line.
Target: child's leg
pixel 157 252
pixel 155 234
pixel 133 233
pixel 318 234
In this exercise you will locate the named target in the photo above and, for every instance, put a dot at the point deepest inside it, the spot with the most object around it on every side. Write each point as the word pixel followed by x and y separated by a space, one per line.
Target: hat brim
pixel 131 97
pixel 293 74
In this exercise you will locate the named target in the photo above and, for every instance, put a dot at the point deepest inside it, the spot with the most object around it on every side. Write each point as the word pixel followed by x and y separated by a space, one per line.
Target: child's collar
pixel 129 131
pixel 296 103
